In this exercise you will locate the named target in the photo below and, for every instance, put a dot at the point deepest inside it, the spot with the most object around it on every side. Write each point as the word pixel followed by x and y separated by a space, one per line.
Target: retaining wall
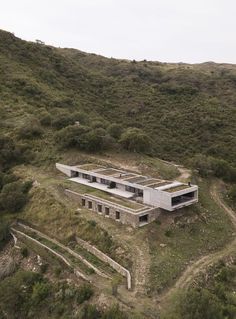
pixel 99 254
pixel 110 210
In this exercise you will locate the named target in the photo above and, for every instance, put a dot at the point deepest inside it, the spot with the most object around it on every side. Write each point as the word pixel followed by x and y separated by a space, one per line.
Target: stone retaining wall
pixel 99 254
pixel 115 211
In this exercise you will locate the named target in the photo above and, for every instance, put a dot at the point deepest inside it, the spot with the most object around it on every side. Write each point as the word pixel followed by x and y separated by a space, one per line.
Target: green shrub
pixel 31 129
pixel 84 293
pixel 61 120
pixel 40 292
pixel 115 130
pixel 13 197
pixel 71 136
pixel 135 140
pixel 24 252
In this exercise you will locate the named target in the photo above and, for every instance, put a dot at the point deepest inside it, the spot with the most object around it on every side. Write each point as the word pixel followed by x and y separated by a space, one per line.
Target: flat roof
pixel 127 178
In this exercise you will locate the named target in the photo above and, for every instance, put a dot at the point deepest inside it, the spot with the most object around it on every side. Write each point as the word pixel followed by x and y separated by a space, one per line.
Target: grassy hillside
pixel 69 106
pixel 185 109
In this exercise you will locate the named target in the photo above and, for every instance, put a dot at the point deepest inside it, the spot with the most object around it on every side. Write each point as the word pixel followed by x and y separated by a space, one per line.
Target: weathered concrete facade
pixel 168 195
pixel 130 198
pixel 124 215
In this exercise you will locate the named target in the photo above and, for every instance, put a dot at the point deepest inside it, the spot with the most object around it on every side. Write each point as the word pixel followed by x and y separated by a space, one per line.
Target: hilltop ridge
pixel 185 109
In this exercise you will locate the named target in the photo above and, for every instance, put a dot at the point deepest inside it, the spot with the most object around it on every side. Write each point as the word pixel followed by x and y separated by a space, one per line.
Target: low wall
pixel 99 254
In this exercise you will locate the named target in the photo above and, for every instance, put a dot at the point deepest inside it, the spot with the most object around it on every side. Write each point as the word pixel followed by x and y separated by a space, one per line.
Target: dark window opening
pixel 74 174
pixel 117 215
pixel 143 219
pixel 94 179
pixel 90 205
pixel 104 181
pixel 130 189
pixel 86 176
pixel 112 185
pixel 140 193
pixel 182 198
pixel 99 208
pixel 83 202
pixel 107 211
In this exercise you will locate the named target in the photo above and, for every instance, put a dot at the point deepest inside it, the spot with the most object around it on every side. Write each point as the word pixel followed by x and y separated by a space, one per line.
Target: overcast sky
pixel 161 30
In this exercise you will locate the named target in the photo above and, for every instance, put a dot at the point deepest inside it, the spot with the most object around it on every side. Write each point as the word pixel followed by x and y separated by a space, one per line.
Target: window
pixel 83 202
pixel 130 189
pixel 90 205
pixel 105 181
pixel 117 215
pixel 74 174
pixel 182 198
pixel 86 176
pixel 99 208
pixel 107 211
pixel 143 219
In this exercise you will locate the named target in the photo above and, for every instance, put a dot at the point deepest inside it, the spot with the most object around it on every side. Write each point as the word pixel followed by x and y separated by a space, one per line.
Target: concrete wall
pixel 64 169
pixel 159 198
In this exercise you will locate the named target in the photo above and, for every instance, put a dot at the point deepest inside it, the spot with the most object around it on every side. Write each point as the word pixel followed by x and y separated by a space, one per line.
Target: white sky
pixel 161 30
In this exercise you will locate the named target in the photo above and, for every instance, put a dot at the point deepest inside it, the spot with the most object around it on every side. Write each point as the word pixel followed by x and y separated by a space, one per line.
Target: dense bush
pixel 210 166
pixel 84 293
pixel 31 129
pixel 71 136
pixel 183 108
pixel 115 130
pixel 15 294
pixel 14 196
pixel 214 300
pixel 135 140
pixel 61 120
pixel 28 295
pixel 84 138
pixel 12 153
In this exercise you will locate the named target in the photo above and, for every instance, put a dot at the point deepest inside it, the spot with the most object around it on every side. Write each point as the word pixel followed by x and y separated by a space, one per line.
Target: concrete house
pixel 151 195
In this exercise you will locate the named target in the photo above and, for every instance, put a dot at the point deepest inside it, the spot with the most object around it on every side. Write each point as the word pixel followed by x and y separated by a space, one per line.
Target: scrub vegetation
pixel 67 105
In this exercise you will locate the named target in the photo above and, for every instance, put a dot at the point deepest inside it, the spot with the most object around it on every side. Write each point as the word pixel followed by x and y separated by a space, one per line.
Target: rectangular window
pixel 105 181
pixel 107 211
pixel 143 219
pixel 83 202
pixel 90 205
pixel 117 215
pixel 182 198
pixel 85 176
pixel 99 208
pixel 130 189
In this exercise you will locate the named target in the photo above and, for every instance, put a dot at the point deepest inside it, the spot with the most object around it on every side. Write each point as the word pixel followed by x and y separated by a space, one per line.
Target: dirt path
pixel 200 265
pixel 184 173
pixel 215 193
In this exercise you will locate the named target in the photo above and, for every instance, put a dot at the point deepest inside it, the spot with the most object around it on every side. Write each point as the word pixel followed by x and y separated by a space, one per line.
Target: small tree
pixel 115 130
pixel 136 140
pixel 13 197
